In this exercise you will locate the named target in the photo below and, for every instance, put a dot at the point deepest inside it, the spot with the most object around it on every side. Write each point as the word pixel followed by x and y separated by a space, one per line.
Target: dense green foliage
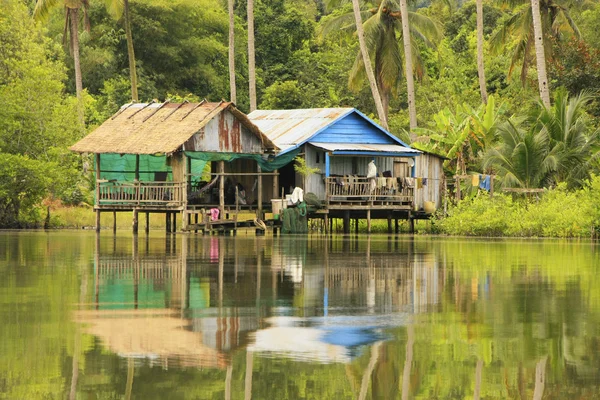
pixel 554 213
pixel 306 57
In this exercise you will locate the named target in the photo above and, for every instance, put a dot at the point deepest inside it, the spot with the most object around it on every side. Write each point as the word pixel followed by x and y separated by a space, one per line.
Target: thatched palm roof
pixel 151 128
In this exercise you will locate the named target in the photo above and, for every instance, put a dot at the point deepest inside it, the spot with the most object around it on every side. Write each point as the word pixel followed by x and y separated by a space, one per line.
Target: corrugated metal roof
pixel 150 128
pixel 377 148
pixel 289 128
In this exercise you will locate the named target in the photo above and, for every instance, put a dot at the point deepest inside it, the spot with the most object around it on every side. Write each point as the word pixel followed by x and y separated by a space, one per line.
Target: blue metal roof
pixel 289 129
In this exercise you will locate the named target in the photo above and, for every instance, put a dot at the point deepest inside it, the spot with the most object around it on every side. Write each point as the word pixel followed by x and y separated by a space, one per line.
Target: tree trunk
pixel 232 91
pixel 130 53
pixel 368 67
pixel 480 65
pixel 539 53
pixel 251 57
pixel 408 69
pixel 74 31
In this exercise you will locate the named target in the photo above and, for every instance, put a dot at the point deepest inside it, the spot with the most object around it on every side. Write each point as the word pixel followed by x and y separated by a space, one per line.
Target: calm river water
pixel 298 317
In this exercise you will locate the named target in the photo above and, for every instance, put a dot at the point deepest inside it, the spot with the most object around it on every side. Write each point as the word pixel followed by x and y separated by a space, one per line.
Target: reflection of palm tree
pixel 408 362
pixel 540 378
pixel 364 387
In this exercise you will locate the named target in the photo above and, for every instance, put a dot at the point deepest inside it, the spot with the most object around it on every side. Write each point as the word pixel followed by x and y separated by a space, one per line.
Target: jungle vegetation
pixel 66 66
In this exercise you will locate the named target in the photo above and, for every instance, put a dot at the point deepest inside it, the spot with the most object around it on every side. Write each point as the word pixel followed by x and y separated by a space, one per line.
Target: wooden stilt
pixel 368 221
pixel 396 225
pixel 389 219
pixel 196 222
pixel 346 222
pixel 356 225
pixel 147 222
pixel 259 198
pixel 168 221
pixel 97 220
pixel 326 223
pixel 221 188
pixel 174 216
pixel 411 224
pixel 135 221
pixel 114 222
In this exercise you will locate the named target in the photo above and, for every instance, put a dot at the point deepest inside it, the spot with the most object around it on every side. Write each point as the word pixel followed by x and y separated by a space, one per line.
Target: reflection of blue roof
pixel 349 336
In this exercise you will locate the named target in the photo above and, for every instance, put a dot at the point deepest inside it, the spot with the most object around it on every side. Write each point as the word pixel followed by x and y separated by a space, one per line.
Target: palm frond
pixel 43 7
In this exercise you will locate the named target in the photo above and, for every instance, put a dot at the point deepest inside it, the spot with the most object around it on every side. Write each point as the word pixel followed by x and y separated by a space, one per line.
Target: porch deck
pixel 359 193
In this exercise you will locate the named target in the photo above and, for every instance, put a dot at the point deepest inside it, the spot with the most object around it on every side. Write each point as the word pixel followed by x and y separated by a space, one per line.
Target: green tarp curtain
pixel 121 167
pixel 267 164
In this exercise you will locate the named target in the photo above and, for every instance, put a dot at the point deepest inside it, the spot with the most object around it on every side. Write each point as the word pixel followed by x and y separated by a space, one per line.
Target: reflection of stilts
pixel 364 386
pixel 408 362
pixel 228 381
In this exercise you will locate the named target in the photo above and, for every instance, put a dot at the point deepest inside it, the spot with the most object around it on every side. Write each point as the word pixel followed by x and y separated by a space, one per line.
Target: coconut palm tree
pixel 570 138
pixel 120 8
pixel 72 7
pixel 408 67
pixel 480 64
pixel 368 68
pixel 382 26
pixel 524 31
pixel 251 56
pixel 232 89
pixel 540 57
pixel 522 158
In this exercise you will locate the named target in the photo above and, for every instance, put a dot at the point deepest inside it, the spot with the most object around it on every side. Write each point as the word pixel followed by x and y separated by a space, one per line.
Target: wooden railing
pixel 142 193
pixel 360 190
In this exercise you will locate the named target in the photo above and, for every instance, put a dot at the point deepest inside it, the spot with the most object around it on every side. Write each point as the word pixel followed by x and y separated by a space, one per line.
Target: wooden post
pixel 98 220
pixel 411 223
pixel 147 222
pixel 347 221
pixel 174 218
pixel 196 222
pixel 168 221
pixel 369 221
pixel 397 227
pixel 356 226
pixel 221 188
pixel 114 222
pixel 135 221
pixel 137 167
pixel 275 183
pixel 457 187
pixel 326 222
pixel 389 219
pixel 97 192
pixel 259 198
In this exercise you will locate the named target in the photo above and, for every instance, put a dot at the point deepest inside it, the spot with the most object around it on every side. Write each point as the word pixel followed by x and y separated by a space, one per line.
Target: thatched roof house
pixel 164 128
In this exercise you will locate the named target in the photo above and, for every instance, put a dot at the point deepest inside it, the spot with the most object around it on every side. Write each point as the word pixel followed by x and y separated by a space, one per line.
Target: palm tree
pixel 42 10
pixel 480 64
pixel 381 27
pixel 539 53
pixel 408 68
pixel 120 8
pixel 569 137
pixel 368 68
pixel 251 56
pixel 520 30
pixel 522 157
pixel 232 89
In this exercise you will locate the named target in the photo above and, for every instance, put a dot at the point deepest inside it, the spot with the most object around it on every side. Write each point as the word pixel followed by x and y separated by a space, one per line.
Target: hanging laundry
pixel 419 183
pixel 485 182
pixel 475 180
pixel 214 214
pixel 410 182
pixel 424 181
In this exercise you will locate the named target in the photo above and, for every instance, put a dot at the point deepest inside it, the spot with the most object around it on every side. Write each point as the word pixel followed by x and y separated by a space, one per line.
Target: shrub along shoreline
pixel 558 213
